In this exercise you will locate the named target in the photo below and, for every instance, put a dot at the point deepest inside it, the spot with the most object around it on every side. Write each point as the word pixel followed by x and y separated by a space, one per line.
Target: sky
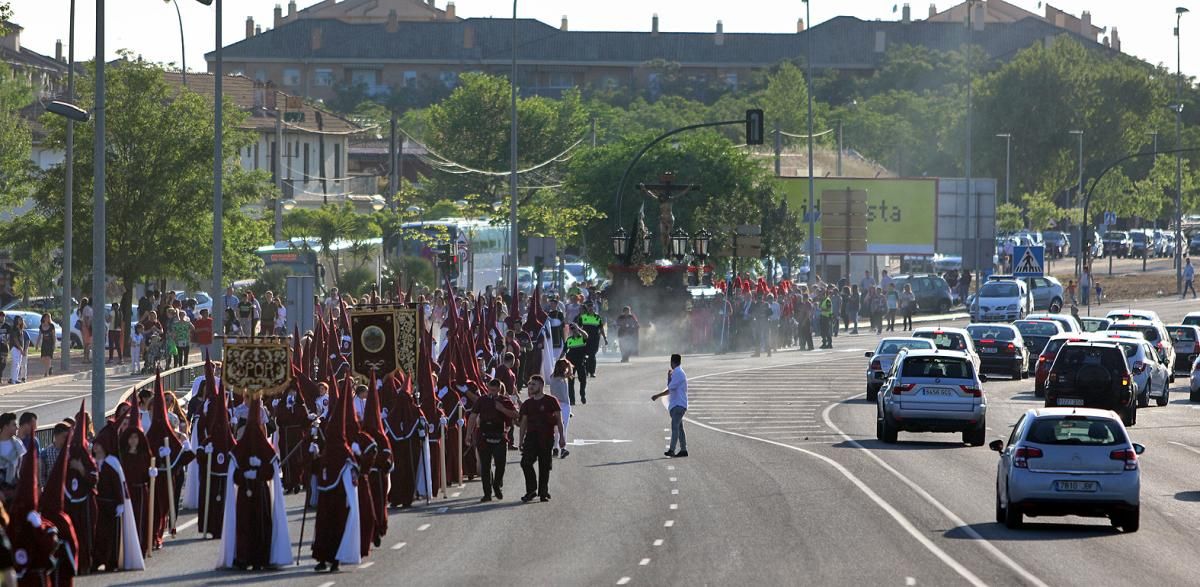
pixel 150 28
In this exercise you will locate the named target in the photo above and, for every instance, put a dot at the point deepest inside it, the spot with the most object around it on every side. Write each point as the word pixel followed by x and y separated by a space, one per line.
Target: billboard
pixel 901 213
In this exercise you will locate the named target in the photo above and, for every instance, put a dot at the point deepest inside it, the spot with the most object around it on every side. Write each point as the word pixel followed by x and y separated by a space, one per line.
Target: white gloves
pixel 312 417
pixel 357 450
pixel 251 474
pixel 312 448
pixel 208 449
pixel 153 472
pixel 255 461
pixel 120 510
pixel 461 422
pixel 34 518
pixel 164 452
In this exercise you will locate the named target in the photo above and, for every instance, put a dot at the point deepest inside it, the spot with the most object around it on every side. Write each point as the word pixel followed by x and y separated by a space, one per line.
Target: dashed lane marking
pixel 674 506
pixel 623 581
pixel 422 527
pixel 672 479
pixel 658 542
pixel 674 492
pixel 327 584
pixel 643 562
pixel 909 581
pixel 398 545
pixel 668 523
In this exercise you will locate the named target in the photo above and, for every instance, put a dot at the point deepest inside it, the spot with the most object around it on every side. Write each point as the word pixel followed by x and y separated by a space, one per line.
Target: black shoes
pixel 564 453
pixel 546 497
pixel 485 499
pixel 528 497
pixel 669 454
pixel 681 454
pixel 321 566
pixel 554 452
pixel 498 492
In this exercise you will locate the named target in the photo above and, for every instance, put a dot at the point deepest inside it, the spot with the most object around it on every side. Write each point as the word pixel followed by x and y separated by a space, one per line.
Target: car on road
pixel 1191 319
pixel 1194 383
pixel 1131 314
pixel 1194 244
pixel 882 358
pixel 1117 243
pixel 1092 374
pixel 1058 244
pixel 932 391
pixel 1150 377
pixel 1001 299
pixel 1155 334
pixel 1001 349
pixel 1036 333
pixel 1093 324
pixel 1186 341
pixel 1068 461
pixel 950 339
pixel 932 292
pixel 1141 244
pixel 1046 359
pixel 1068 321
pixel 1047 293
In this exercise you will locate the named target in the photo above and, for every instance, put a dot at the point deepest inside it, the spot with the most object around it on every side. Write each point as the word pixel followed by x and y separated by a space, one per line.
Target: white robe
pixel 281 541
pixel 131 545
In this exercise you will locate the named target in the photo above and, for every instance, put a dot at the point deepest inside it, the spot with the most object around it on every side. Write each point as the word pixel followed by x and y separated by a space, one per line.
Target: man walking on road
pixel 487 431
pixel 539 421
pixel 1189 279
pixel 677 403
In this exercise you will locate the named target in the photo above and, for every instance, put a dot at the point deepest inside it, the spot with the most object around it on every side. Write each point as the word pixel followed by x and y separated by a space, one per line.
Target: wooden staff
pixel 442 442
pixel 207 494
pixel 150 510
pixel 170 489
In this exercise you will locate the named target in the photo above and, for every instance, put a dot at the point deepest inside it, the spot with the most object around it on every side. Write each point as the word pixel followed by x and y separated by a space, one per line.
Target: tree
pixel 15 139
pixel 159 183
pixel 331 225
pixel 1008 218
pixel 786 101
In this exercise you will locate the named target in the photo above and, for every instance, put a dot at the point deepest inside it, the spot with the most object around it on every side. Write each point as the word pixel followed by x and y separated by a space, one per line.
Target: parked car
pixel 1058 244
pixel 1186 342
pixel 1001 349
pixel 1194 244
pixel 1117 243
pixel 882 358
pixel 932 391
pixel 1047 293
pixel 1092 374
pixel 932 292
pixel 1140 243
pixel 1063 461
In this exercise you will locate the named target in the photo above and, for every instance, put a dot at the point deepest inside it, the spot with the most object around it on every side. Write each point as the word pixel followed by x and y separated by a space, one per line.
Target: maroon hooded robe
pixel 254 512
pixel 80 492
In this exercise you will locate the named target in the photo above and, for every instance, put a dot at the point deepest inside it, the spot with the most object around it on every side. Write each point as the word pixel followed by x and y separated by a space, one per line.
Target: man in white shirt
pixel 677 402
pixel 867 283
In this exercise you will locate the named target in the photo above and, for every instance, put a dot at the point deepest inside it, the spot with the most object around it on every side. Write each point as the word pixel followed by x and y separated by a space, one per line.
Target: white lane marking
pixel 959 522
pixel 674 506
pixel 870 493
pixel 910 581
pixel 187 524
pixel 422 527
pixel 1184 446
pixel 398 545
pixel 658 542
pixel 674 492
pixel 623 581
pixel 643 562
pixel 670 467
pixel 326 584
pixel 668 523
pixel 673 479
pixel 366 565
pixel 666 429
pixel 443 509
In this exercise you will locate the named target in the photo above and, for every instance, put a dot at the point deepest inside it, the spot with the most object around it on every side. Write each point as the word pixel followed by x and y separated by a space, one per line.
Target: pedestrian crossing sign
pixel 1029 261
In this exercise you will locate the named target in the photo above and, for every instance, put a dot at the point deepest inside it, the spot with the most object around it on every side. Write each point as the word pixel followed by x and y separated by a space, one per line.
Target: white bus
pixel 481 247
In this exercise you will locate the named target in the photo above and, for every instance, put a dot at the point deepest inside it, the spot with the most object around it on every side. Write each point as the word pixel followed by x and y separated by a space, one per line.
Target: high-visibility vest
pixel 827 308
pixel 589 319
pixel 574 342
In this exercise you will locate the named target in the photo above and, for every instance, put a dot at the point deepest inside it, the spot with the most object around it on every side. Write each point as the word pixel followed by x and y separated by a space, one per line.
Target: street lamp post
pixel 812 212
pixel 1007 165
pixel 69 206
pixel 282 206
pixel 218 178
pixel 182 47
pixel 513 263
pixel 1079 235
pixel 99 270
pixel 1178 108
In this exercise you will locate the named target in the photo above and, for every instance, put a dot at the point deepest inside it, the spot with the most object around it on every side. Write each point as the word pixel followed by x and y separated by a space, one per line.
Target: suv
pixel 1062 462
pixel 1142 243
pixel 932 391
pixel 882 358
pixel 1186 339
pixel 1155 334
pixel 1001 299
pixel 1150 377
pixel 1092 374
pixel 932 292
pixel 1117 243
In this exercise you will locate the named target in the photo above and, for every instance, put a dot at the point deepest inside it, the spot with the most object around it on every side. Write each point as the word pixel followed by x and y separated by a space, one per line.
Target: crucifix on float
pixel 665 193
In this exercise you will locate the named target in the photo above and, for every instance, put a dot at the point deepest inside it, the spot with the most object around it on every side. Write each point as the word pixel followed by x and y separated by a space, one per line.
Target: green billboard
pixel 901 213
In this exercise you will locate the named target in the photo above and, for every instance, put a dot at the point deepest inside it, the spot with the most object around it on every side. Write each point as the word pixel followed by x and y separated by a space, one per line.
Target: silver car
pixel 1047 293
pixel 1068 461
pixel 932 391
pixel 882 357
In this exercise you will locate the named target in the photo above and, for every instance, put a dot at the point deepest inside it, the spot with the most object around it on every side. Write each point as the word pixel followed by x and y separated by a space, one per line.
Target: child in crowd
pixel 135 346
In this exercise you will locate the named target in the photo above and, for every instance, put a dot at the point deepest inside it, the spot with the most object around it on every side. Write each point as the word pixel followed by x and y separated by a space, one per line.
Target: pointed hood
pixel 337 443
pixel 160 432
pixel 26 498
pixel 220 432
pixel 79 447
pixel 535 316
pixel 425 382
pixel 107 438
pixel 254 442
pixel 133 426
pixel 373 415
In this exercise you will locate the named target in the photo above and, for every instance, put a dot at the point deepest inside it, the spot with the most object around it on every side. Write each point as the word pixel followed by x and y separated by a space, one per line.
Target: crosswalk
pixel 779 403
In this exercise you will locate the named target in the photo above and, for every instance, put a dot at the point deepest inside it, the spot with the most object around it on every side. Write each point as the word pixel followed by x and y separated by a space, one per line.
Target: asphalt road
pixel 785 485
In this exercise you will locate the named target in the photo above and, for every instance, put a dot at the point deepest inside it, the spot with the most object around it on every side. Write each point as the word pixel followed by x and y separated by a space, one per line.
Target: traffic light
pixel 754 127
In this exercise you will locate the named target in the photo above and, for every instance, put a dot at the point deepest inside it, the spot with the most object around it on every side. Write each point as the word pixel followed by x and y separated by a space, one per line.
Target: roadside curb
pixel 9 389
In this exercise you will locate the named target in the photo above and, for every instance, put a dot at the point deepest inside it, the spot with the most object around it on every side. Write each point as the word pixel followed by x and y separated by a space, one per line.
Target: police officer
pixel 577 352
pixel 593 325
pixel 826 309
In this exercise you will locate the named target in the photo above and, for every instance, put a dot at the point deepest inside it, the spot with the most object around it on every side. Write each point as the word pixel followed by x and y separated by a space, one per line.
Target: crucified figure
pixel 665 193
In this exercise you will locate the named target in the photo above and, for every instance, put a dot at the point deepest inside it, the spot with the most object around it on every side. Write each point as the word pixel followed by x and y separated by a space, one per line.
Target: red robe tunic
pixel 110 495
pixel 367 512
pixel 82 507
pixel 291 420
pixel 137 479
pixel 33 550
pixel 254 524
pixel 401 422
pixel 453 436
pixel 332 512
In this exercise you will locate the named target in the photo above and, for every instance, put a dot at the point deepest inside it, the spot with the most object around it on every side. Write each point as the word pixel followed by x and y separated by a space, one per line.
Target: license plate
pixel 1076 486
pixel 990 350
pixel 938 391
pixel 1066 401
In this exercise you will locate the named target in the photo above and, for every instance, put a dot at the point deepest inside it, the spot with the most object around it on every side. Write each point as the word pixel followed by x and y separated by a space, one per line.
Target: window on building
pixel 410 79
pixel 337 160
pixel 323 77
pixel 260 75
pixel 306 167
pixel 731 81
pixel 256 155
pixel 291 77
pixel 449 78
pixel 367 77
pixel 561 79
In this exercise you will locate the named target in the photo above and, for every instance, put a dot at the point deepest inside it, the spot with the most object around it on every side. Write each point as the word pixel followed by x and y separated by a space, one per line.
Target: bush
pixel 357 281
pixel 273 280
pixel 410 268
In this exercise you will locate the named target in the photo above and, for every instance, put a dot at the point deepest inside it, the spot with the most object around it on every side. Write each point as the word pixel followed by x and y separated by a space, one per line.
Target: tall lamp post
pixel 99 270
pixel 1178 108
pixel 218 178
pixel 69 206
pixel 812 212
pixel 182 47
pixel 1007 165
pixel 1079 235
pixel 513 263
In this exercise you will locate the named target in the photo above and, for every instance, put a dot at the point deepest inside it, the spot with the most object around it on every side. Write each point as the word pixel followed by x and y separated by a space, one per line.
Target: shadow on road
pixel 1188 496
pixel 633 462
pixel 874 444
pixel 230 577
pixel 1031 531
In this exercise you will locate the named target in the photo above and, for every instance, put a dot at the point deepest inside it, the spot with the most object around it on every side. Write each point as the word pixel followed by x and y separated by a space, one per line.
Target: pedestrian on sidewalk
pixel 854 306
pixel 1085 286
pixel 540 420
pixel 677 404
pixel 85 326
pixel 908 301
pixel 18 344
pixel 5 329
pixel 45 343
pixel 825 309
pixel 1189 279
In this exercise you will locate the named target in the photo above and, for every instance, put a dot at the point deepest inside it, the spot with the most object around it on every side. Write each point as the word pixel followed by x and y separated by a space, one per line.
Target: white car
pixel 1002 300
pixel 882 357
pixel 951 339
pixel 1191 319
pixel 1128 314
pixel 932 391
pixel 1194 390
pixel 1069 323
pixel 1155 334
pixel 1068 461
pixel 1150 376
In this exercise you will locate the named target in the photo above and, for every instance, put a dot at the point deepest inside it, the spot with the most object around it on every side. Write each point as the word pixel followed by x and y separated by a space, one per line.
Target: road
pixel 785 485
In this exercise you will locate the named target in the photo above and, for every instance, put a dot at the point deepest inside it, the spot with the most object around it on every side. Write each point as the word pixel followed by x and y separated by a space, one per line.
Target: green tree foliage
pixel 16 166
pixel 158 183
pixel 329 225
pixel 1008 218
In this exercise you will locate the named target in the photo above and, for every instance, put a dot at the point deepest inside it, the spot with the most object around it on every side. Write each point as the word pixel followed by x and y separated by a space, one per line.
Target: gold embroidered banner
pixel 258 367
pixel 383 340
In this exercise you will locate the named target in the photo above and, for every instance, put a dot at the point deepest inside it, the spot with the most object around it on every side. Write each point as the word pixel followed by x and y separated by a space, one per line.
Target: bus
pixel 303 256
pixel 481 247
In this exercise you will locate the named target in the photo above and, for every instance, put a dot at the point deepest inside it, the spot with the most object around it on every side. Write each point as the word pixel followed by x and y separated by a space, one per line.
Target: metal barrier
pixel 179 378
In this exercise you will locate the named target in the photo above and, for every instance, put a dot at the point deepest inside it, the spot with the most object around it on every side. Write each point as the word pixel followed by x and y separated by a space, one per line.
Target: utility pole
pixel 99 269
pixel 277 162
pixel 778 150
pixel 839 147
pixel 513 245
pixel 218 292
pixel 1007 165
pixel 970 79
pixel 812 207
pixel 68 208
pixel 1178 108
pixel 1083 222
pixel 394 173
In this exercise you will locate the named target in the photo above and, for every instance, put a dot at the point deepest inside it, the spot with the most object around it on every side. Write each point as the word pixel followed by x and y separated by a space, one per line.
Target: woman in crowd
pixel 45 343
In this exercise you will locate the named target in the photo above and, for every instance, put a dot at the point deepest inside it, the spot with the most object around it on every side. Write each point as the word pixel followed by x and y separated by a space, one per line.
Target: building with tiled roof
pixel 311 54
